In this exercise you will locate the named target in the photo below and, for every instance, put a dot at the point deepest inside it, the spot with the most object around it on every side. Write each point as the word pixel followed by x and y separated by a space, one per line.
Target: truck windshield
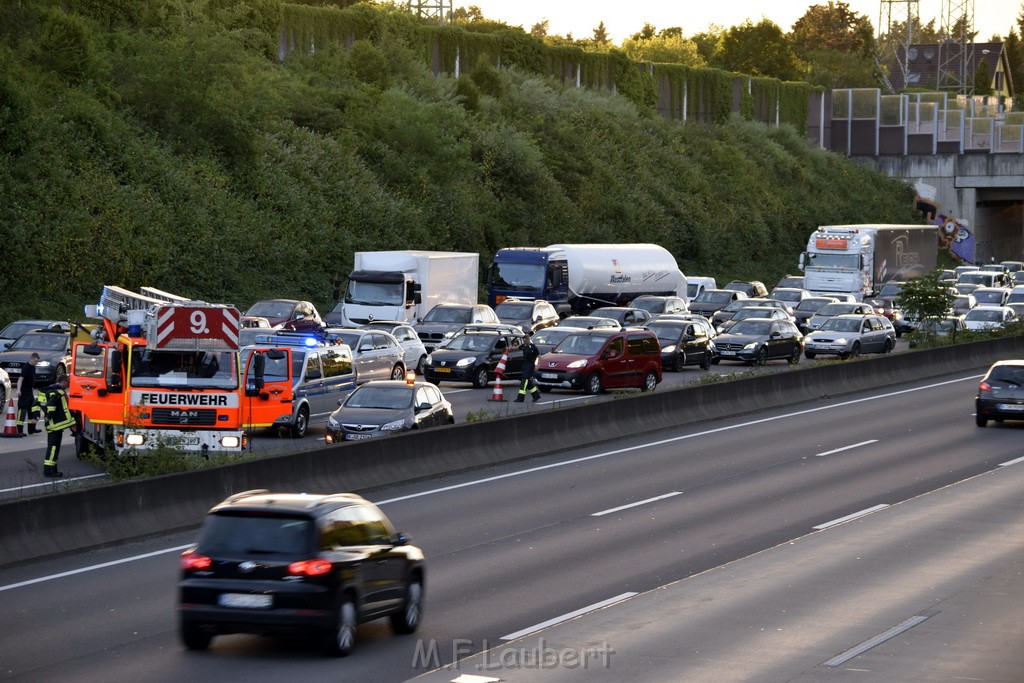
pixel 842 261
pixel 525 277
pixel 189 369
pixel 375 293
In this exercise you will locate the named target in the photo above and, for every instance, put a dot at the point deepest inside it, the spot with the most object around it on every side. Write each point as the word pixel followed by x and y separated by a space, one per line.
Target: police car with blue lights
pixel 300 378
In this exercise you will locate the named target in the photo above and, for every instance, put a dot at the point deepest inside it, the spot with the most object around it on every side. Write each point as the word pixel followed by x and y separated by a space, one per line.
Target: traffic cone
pixel 499 370
pixel 496 395
pixel 11 420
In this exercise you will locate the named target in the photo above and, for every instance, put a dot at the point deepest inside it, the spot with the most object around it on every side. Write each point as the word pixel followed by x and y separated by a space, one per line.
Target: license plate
pixel 357 437
pixel 442 369
pixel 548 375
pixel 727 353
pixel 246 600
pixel 184 440
pixel 13 371
pixel 1011 406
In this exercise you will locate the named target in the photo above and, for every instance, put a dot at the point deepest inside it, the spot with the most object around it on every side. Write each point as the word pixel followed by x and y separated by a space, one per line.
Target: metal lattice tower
pixel 439 11
pixel 897 26
pixel 956 51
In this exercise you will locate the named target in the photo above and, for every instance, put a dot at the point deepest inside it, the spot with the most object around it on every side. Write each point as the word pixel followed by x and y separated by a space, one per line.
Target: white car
pixel 991 296
pixel 5 389
pixel 407 338
pixel 988 317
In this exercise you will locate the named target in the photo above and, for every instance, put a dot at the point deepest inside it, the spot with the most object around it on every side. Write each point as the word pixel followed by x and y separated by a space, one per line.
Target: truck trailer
pixel 404 285
pixel 576 278
pixel 859 259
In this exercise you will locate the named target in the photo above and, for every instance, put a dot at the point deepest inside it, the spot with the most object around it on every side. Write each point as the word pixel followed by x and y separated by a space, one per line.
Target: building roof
pixel 923 64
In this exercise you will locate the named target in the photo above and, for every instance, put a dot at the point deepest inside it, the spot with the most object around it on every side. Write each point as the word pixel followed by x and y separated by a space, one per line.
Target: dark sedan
pixel 382 407
pixel 759 340
pixel 682 343
pixel 1000 393
pixel 54 349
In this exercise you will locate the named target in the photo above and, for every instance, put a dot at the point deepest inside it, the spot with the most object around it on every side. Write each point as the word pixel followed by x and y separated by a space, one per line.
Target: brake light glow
pixel 192 561
pixel 309 567
pixel 984 386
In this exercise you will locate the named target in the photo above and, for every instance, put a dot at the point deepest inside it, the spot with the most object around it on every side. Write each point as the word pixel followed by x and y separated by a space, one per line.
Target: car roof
pixel 263 499
pixel 496 328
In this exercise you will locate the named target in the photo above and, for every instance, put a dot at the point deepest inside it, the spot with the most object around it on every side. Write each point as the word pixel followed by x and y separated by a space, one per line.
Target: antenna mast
pixel 956 51
pixel 897 26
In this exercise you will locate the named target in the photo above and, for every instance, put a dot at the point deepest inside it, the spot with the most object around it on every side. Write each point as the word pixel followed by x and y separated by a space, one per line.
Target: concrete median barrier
pixel 33 528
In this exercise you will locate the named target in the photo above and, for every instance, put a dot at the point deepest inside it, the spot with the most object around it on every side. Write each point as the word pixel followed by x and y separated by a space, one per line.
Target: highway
pixel 514 547
pixel 21 459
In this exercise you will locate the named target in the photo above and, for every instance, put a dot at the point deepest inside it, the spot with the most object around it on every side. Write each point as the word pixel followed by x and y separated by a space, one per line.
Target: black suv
pixel 474 353
pixel 273 563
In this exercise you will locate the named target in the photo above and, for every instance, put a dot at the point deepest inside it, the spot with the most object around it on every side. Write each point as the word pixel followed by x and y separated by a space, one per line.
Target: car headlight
pixel 582 363
pixel 750 347
pixel 842 340
pixel 429 360
pixel 332 423
pixel 449 335
pixel 463 362
pixel 671 348
pixel 393 426
pixel 43 364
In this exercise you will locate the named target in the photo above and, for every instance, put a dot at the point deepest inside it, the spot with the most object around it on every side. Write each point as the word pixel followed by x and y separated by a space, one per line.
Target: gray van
pixel 320 373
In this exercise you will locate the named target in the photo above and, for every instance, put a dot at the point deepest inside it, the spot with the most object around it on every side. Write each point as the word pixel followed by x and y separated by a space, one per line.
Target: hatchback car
pixel 712 300
pixel 589 322
pixel 988 317
pixel 1016 295
pixel 659 305
pixel 759 340
pixel 376 353
pixel 851 335
pixel 321 564
pixel 385 407
pixel 840 308
pixel 991 296
pixel 807 308
pixel 1000 393
pixel 754 289
pixel 985 278
pixel 791 295
pixel 288 314
pixel 682 343
pixel 729 311
pixel 54 349
pixel 529 316
pixel 413 348
pixel 626 315
pixel 595 360
pixel 444 320
pixel 752 312
pixel 473 354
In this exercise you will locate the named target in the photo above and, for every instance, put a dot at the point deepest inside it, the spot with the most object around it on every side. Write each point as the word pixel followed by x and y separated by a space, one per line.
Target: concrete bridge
pixel 964 157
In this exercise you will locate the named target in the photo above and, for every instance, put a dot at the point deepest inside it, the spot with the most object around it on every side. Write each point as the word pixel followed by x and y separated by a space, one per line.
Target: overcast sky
pixel 623 18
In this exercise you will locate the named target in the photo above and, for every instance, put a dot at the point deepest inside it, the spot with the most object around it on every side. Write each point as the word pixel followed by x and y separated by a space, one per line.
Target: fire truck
pixel 164 370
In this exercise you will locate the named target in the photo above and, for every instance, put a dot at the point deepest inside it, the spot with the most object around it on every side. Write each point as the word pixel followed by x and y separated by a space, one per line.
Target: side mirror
pixel 402 539
pixel 259 367
pixel 113 378
pixel 423 406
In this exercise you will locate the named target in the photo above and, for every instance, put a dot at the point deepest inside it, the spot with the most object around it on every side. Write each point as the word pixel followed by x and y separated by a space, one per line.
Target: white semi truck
pixel 859 259
pixel 578 277
pixel 404 285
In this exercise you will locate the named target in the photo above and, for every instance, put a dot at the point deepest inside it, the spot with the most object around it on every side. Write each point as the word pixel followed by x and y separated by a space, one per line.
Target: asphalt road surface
pixel 514 547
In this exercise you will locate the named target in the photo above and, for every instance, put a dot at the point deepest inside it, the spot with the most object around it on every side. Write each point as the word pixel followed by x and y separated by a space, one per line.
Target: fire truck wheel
pixel 60 374
pixel 301 423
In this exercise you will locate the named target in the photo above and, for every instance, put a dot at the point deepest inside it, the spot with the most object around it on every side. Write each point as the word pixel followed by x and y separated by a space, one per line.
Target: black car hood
pixel 21 356
pixel 448 357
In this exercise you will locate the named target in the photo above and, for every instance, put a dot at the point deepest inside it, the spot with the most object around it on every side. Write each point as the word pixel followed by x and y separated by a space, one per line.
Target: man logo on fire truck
pixel 158 353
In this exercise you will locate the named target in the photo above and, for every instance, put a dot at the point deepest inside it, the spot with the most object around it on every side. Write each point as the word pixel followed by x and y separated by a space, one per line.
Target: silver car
pixel 405 335
pixel 839 308
pixel 376 353
pixel 851 335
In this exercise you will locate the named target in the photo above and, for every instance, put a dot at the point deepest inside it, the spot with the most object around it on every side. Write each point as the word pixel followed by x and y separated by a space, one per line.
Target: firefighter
pixel 530 355
pixel 28 414
pixel 54 402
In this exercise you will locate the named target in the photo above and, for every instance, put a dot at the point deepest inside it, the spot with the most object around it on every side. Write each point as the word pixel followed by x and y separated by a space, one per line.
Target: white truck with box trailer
pixel 579 277
pixel 859 259
pixel 403 285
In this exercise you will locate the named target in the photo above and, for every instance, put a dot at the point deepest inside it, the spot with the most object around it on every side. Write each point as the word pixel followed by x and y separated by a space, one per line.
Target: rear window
pixel 645 345
pixel 256 533
pixel 1010 374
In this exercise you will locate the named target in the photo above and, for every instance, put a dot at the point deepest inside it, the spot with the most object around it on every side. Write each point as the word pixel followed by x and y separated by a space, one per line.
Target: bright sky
pixel 623 18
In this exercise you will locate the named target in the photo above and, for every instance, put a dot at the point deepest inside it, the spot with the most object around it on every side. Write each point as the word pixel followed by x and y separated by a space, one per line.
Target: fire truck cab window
pixel 199 369
pixel 88 365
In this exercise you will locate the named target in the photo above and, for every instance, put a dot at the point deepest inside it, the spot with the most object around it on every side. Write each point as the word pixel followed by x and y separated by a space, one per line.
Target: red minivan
pixel 599 359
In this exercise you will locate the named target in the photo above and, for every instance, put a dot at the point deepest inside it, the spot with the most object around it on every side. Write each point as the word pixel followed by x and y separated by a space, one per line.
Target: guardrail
pixel 45 526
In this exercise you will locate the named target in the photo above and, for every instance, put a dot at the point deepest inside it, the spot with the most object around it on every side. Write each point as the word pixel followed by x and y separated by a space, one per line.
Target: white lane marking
pixel 52 482
pixel 633 505
pixel 662 442
pixel 1011 462
pixel 541 468
pixel 876 640
pixel 94 567
pixel 855 515
pixel 846 448
pixel 566 617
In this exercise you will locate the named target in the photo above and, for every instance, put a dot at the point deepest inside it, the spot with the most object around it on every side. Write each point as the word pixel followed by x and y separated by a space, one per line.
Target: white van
pixel 696 285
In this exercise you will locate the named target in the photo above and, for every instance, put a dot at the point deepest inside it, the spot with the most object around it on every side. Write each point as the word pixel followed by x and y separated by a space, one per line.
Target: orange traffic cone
pixel 11 421
pixel 496 395
pixel 499 370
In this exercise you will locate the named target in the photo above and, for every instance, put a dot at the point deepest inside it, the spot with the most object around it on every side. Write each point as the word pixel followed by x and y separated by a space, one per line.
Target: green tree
pixel 1015 59
pixel 922 297
pixel 667 49
pixel 709 44
pixel 983 79
pixel 833 27
pixel 601 38
pixel 540 29
pixel 760 49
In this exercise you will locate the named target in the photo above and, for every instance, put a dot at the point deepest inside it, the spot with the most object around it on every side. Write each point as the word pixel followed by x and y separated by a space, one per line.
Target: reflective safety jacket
pixel 54 403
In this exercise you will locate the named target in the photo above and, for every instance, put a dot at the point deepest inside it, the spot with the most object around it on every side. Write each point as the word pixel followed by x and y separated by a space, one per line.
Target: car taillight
pixel 192 561
pixel 309 567
pixel 984 386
